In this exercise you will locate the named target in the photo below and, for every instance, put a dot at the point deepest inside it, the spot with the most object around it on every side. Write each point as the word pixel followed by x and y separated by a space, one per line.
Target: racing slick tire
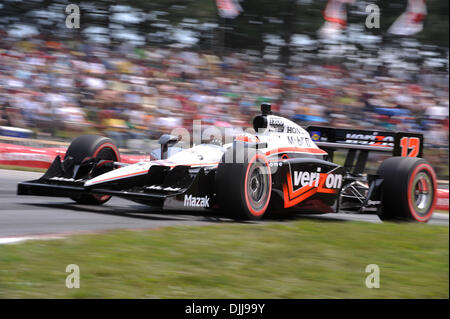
pixel 408 192
pixel 88 146
pixel 244 187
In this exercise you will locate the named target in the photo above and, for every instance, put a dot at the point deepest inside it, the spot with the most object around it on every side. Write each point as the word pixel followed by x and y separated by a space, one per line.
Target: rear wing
pixel 363 141
pixel 398 143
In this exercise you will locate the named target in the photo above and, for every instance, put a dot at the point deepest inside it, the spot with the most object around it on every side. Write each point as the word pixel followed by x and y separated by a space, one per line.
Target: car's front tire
pixel 92 146
pixel 244 187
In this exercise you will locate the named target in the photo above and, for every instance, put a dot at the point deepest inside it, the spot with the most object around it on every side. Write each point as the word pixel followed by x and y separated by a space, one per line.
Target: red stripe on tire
pixel 111 146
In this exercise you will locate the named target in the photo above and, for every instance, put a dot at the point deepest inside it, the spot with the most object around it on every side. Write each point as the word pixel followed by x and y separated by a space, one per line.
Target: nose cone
pixel 120 173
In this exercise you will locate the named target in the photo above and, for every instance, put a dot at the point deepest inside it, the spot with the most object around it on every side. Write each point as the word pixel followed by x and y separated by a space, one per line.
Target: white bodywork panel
pixel 282 133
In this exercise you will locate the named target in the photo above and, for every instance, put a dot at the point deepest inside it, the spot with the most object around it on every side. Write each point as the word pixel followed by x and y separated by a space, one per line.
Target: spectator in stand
pixel 54 85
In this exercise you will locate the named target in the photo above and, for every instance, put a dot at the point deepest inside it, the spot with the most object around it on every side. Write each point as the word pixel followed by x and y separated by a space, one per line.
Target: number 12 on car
pixel 410 146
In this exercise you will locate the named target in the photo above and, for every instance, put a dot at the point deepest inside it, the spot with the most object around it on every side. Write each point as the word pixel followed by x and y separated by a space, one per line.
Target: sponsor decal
pixel 192 201
pixel 299 140
pixel 276 125
pixel 160 188
pixel 313 179
pixel 316 135
pixel 301 185
pixel 369 139
pixel 293 130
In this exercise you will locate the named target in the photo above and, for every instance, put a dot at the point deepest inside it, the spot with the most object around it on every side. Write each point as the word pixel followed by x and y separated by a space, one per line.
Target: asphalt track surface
pixel 22 216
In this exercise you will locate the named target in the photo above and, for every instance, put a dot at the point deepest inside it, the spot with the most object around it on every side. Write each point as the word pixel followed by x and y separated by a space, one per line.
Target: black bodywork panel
pixel 307 184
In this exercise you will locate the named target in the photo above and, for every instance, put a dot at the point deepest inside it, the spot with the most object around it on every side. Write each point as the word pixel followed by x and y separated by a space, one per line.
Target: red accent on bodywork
pixel 309 150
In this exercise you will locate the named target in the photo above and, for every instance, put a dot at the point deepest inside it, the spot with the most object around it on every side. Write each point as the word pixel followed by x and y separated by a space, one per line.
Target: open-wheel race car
pixel 281 167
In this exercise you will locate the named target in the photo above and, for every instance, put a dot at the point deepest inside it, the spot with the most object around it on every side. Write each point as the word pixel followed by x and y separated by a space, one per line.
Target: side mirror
pixel 167 140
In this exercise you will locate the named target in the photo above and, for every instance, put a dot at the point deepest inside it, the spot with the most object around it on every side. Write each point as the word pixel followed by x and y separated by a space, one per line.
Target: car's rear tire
pixel 408 192
pixel 92 146
pixel 244 188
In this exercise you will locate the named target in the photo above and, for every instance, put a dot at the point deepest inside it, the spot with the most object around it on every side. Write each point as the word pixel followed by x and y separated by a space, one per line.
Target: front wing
pixel 177 188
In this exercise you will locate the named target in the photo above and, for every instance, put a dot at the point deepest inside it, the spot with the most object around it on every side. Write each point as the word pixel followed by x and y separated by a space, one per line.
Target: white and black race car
pixel 281 167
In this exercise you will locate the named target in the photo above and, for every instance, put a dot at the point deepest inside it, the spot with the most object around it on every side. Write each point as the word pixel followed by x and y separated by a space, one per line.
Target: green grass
pixel 304 259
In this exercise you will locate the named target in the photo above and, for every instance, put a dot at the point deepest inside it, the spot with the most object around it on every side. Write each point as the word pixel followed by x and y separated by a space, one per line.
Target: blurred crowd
pixel 53 87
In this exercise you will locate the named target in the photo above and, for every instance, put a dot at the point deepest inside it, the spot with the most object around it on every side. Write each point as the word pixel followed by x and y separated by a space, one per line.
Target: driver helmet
pixel 246 137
